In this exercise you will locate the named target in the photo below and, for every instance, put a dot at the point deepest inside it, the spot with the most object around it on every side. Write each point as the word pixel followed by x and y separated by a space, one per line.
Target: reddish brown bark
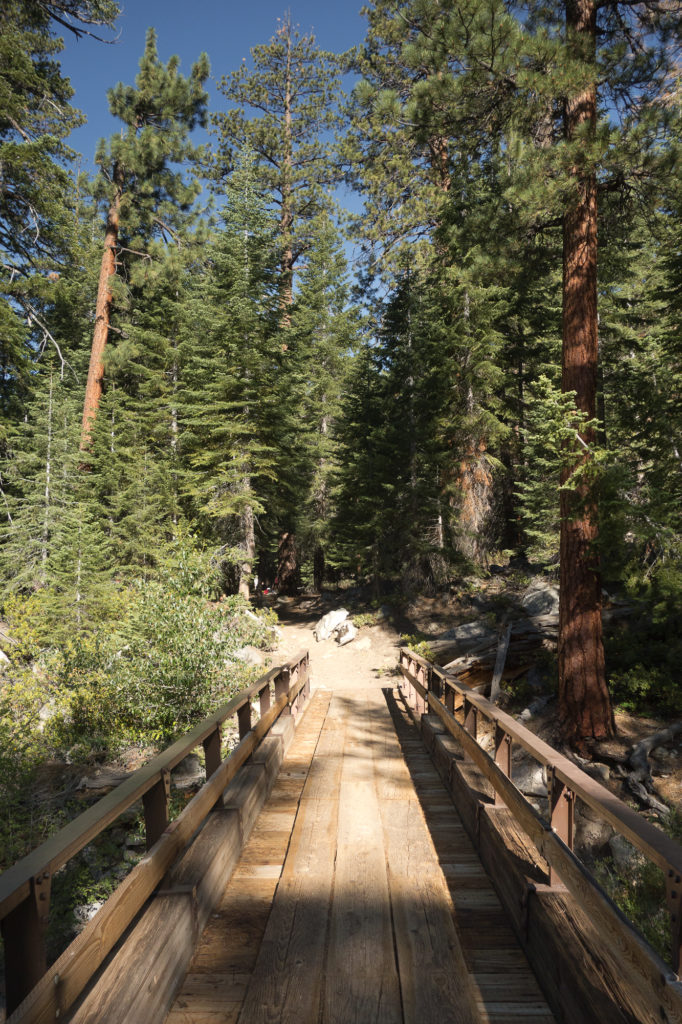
pixel 286 220
pixel 288 572
pixel 438 150
pixel 584 704
pixel 93 388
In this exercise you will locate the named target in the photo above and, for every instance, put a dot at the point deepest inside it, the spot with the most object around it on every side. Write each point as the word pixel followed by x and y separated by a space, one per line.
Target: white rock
pixel 329 623
pixel 46 713
pixel 86 912
pixel 250 655
pixel 530 779
pixel 363 644
pixel 345 633
pixel 4 660
pixel 541 598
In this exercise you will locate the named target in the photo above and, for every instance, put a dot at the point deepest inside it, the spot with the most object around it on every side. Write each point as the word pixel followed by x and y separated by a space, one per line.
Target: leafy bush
pixel 366 619
pixel 418 643
pixel 172 670
pixel 640 893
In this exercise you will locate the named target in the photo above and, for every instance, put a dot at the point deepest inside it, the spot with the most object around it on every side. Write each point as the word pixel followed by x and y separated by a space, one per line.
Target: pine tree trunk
pixel 246 567
pixel 318 568
pixel 286 215
pixel 288 572
pixel 93 388
pixel 584 705
pixel 48 482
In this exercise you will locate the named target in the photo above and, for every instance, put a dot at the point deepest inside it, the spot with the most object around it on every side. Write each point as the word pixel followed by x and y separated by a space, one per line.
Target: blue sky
pixel 225 29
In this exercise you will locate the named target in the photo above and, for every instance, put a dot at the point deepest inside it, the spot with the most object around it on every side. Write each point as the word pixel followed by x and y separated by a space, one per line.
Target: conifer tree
pixel 145 194
pixel 320 341
pixel 230 358
pixel 37 198
pixel 283 109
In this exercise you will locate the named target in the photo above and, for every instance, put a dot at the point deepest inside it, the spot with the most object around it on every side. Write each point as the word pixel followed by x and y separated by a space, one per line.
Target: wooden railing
pixel 430 690
pixel 25 887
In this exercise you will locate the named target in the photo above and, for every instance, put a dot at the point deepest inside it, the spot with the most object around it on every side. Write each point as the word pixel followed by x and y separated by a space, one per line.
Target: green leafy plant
pixel 418 642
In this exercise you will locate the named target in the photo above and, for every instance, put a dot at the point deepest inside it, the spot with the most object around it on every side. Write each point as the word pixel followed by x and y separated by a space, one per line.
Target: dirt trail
pixel 369 660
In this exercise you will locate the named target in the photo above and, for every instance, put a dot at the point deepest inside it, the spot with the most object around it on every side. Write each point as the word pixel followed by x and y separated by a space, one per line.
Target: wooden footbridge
pixel 361 855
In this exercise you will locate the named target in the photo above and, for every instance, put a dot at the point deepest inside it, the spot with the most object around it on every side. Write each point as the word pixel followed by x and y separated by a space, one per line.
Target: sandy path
pixel 367 661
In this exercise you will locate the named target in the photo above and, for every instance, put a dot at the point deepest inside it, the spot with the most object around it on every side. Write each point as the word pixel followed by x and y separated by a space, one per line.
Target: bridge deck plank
pixel 359 896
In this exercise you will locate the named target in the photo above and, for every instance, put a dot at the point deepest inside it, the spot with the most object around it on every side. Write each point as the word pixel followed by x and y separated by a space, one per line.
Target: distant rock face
pixel 541 598
pixel 329 623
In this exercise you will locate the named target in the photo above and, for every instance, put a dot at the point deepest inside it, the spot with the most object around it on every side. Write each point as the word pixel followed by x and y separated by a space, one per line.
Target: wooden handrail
pixel 25 884
pixel 554 840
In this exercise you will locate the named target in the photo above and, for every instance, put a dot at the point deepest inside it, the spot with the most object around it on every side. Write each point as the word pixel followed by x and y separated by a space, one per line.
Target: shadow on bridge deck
pixel 358 897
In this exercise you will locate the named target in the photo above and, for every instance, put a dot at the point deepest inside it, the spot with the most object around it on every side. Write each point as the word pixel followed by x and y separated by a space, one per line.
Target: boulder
pixel 598 771
pixel 530 778
pixel 85 913
pixel 467 634
pixel 250 655
pixel 188 773
pixel 541 598
pixel 329 623
pixel 625 856
pixel 345 633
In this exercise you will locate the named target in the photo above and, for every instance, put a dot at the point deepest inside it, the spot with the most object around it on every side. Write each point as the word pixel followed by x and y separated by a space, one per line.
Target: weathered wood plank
pixel 434 979
pixel 286 981
pixel 361 977
pixel 287 978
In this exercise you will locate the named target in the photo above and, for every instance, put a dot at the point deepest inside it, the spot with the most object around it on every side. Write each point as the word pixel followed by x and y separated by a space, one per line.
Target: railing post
pixel 470 721
pixel 561 805
pixel 23 931
pixel 470 718
pixel 306 668
pixel 503 758
pixel 212 751
pixel 155 802
pixel 296 703
pixel 282 684
pixel 244 719
pixel 422 703
pixel 673 886
pixel 449 699
pixel 264 699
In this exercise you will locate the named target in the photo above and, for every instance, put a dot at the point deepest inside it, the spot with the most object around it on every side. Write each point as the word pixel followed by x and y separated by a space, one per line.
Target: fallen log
pixel 640 781
pixel 499 663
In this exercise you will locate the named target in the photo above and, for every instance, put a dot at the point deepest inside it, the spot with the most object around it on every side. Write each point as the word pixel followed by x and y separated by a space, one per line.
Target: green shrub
pixel 418 643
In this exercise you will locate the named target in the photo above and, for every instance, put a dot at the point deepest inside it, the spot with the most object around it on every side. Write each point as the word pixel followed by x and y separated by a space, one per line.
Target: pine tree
pixel 320 341
pixel 283 110
pixel 37 197
pixel 146 196
pixel 230 357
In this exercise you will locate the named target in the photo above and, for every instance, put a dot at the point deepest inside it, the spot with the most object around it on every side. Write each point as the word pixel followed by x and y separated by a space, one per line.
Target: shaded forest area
pixel 198 400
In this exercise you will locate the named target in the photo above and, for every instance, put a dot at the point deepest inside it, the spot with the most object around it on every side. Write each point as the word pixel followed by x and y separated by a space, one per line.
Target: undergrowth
pixel 639 891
